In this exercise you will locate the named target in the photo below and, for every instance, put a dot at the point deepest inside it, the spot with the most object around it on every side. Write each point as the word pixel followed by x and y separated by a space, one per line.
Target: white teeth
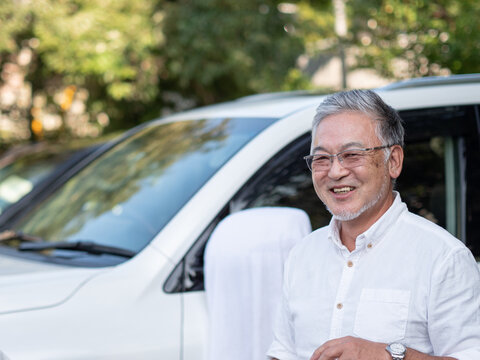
pixel 342 190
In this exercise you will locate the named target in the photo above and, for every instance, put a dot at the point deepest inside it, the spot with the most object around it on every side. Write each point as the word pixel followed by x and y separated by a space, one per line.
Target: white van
pixel 108 263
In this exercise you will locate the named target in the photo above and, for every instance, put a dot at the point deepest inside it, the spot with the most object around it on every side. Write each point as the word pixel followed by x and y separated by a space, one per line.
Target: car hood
pixel 29 285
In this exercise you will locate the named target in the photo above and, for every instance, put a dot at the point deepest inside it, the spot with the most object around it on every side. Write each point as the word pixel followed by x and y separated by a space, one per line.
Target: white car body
pixel 61 312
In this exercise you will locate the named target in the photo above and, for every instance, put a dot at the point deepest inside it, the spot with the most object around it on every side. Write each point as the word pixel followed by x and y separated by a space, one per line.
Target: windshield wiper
pixel 87 246
pixel 18 235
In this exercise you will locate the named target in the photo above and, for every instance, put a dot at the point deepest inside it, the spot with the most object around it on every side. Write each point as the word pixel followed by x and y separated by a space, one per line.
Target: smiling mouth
pixel 342 190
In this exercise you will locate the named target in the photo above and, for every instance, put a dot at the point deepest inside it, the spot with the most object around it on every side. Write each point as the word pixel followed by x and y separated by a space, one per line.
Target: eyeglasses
pixel 349 158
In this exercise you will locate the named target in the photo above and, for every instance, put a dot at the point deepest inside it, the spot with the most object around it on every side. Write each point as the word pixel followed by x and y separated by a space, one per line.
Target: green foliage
pixel 424 37
pixel 113 40
pixel 296 80
pixel 317 21
pixel 110 48
pixel 221 49
pixel 134 59
pixel 14 20
pixel 129 55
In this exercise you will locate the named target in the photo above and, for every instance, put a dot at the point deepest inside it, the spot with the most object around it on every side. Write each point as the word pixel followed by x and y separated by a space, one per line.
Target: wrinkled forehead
pixel 345 129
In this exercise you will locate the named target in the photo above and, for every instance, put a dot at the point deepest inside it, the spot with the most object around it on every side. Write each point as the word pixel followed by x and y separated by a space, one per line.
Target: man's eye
pixel 351 155
pixel 321 159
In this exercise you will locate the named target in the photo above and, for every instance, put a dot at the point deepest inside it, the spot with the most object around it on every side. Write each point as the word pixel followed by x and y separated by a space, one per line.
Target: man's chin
pixel 346 215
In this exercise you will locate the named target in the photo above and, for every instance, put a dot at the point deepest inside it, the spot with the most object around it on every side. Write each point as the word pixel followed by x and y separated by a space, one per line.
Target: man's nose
pixel 336 170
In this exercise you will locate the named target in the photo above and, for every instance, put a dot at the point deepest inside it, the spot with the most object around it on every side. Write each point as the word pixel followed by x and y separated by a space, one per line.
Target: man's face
pixel 360 192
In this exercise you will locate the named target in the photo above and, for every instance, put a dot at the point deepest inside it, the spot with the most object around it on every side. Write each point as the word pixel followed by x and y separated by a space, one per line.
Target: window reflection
pixel 126 196
pixel 422 182
pixel 286 181
pixel 20 176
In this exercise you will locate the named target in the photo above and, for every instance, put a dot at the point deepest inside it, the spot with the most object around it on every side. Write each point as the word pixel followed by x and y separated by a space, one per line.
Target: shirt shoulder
pixel 422 232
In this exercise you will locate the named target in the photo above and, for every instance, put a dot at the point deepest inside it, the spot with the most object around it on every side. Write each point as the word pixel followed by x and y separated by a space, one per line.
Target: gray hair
pixel 389 127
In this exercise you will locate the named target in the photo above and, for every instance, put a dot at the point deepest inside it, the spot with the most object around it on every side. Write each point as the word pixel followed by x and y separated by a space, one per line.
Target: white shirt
pixel 408 280
pixel 244 262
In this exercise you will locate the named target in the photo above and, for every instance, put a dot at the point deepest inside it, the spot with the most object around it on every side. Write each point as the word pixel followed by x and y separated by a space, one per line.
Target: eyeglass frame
pixel 340 158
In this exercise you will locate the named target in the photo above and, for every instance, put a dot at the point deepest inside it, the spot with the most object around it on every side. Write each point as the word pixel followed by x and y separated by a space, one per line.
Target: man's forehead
pixel 341 131
pixel 347 122
pixel 357 115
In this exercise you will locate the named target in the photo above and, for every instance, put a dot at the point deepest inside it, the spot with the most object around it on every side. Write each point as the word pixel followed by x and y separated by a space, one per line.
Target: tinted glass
pixel 285 181
pixel 422 182
pixel 447 151
pixel 126 196
pixel 19 177
pixel 473 191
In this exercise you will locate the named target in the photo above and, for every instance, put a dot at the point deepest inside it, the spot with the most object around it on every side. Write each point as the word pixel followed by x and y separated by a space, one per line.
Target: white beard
pixel 346 215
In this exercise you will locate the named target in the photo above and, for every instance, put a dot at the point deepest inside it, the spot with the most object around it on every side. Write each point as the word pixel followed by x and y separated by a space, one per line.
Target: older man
pixel 377 283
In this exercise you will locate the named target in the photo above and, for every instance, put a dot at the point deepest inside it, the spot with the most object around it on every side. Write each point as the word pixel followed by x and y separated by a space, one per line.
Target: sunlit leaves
pixel 421 37
pixel 224 49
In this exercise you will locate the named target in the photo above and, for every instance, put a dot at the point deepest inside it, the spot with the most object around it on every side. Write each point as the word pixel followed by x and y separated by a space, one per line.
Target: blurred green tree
pixel 413 38
pixel 90 57
pixel 77 66
pixel 222 49
pixel 133 59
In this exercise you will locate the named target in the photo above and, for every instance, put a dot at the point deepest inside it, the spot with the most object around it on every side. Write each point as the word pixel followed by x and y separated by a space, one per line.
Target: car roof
pixel 268 108
pixel 434 81
pixel 412 94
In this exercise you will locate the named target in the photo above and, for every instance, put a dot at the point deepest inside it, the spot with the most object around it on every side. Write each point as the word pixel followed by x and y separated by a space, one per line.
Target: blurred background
pixel 77 70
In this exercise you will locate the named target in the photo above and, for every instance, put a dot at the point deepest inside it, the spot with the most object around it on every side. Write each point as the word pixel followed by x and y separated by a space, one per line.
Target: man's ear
pixel 395 162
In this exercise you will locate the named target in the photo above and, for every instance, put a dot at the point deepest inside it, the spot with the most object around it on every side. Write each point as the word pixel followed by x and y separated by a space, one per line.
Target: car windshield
pixel 126 196
pixel 19 177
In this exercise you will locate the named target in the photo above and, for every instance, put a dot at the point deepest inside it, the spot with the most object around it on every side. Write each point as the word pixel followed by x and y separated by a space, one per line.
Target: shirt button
pixel 349 263
pixel 339 306
pixel 369 245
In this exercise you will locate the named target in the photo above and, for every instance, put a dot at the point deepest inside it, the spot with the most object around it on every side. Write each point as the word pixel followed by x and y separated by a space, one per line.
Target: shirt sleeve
pixel 283 345
pixel 454 307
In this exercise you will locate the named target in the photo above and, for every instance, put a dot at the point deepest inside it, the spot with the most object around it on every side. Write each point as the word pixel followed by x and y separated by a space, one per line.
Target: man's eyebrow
pixel 352 144
pixel 319 148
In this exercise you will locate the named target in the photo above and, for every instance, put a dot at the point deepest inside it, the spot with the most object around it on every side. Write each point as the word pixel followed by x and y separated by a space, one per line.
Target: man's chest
pixel 367 297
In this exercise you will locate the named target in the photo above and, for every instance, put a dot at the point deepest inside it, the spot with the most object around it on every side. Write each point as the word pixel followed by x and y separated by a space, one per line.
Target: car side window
pixel 285 181
pixel 440 175
pixel 472 171
pixel 422 182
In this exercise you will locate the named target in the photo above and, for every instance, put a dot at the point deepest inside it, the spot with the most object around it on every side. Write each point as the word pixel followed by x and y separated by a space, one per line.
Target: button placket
pixel 343 288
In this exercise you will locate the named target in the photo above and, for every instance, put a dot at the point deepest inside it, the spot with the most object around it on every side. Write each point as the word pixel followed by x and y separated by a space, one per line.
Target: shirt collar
pixel 374 233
